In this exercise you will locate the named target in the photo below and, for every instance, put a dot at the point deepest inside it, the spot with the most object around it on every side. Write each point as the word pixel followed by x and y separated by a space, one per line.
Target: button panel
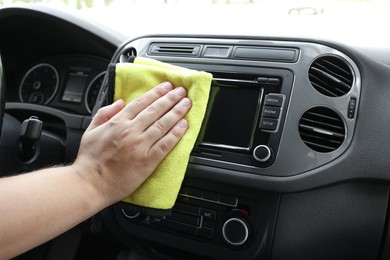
pixel 351 108
pixel 271 112
pixel 194 218
pixel 188 219
pixel 268 81
pixel 200 221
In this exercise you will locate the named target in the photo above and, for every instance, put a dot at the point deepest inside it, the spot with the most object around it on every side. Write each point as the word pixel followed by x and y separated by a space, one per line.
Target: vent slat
pixel 319 140
pixel 319 122
pixel 329 80
pixel 323 89
pixel 331 76
pixel 341 70
pixel 327 116
pixel 320 125
pixel 174 49
pixel 322 129
pixel 325 132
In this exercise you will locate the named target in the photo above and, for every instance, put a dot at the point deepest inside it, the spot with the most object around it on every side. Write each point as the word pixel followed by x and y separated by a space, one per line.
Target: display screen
pixel 75 87
pixel 231 116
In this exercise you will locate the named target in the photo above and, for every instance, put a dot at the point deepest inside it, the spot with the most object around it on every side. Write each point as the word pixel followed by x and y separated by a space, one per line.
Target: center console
pixel 208 220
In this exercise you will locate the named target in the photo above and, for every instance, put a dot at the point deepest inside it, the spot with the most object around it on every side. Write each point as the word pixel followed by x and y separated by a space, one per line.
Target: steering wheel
pixel 20 153
pixel 2 98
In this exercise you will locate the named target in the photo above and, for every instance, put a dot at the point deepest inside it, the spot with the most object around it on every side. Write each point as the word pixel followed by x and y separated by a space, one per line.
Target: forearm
pixel 38 206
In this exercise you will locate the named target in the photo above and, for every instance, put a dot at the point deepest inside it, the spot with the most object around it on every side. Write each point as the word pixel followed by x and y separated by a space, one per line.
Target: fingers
pixel 142 102
pixel 106 113
pixel 164 145
pixel 164 124
pixel 160 107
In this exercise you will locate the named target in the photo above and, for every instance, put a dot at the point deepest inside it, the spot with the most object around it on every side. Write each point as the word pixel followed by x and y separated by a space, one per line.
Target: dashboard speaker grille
pixel 331 76
pixel 322 129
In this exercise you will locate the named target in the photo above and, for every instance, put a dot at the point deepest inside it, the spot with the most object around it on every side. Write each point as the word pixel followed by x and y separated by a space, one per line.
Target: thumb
pixel 106 113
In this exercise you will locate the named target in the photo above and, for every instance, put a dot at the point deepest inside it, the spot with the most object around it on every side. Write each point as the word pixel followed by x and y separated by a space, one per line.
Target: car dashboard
pixel 292 161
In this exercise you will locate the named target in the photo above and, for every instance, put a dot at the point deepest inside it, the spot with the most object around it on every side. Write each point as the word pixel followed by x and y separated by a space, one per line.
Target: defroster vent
pixel 175 49
pixel 331 76
pixel 322 129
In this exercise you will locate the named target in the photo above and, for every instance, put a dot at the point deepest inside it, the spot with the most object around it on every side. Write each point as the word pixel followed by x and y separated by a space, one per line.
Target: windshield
pixel 355 22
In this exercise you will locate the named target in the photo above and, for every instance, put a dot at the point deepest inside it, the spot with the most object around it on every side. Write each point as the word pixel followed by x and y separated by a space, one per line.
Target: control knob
pixel 262 153
pixel 130 214
pixel 235 231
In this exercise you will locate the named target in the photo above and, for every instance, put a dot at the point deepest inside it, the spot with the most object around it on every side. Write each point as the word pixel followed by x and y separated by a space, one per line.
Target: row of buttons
pixel 272 108
pixel 270 81
pixel 188 219
pixel 208 196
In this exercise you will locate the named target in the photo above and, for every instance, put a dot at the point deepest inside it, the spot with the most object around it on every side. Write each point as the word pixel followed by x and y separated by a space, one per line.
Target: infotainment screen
pixel 231 117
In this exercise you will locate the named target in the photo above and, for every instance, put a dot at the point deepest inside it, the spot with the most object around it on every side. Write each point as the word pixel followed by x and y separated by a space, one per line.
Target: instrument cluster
pixel 68 82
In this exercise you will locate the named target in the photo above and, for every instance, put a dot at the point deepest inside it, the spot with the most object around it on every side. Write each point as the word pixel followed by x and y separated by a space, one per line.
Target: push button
pixel 208 224
pixel 208 214
pixel 206 232
pixel 156 220
pixel 268 123
pixel 262 80
pixel 275 100
pixel 184 218
pixel 230 200
pixel 272 112
pixel 274 81
pixel 187 208
pixel 181 227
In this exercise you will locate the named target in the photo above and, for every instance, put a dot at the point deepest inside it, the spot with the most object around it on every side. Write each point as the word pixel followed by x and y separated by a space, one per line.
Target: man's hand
pixel 123 145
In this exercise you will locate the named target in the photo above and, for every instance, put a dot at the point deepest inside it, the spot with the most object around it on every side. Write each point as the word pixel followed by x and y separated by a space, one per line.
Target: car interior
pixel 293 161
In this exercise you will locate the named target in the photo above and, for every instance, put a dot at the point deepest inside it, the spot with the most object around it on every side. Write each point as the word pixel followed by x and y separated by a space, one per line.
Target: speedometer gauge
pixel 39 84
pixel 93 91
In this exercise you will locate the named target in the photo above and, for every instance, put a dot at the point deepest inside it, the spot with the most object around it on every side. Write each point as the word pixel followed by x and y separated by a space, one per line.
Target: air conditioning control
pixel 235 231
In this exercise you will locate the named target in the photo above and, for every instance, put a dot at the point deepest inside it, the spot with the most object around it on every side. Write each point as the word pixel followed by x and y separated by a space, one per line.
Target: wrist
pixel 91 182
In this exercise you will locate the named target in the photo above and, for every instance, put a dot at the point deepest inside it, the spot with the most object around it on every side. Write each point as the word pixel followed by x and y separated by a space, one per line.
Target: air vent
pixel 322 129
pixel 174 49
pixel 331 76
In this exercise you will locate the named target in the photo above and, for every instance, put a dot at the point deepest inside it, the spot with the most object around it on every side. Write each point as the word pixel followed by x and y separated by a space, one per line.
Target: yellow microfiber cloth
pixel 160 190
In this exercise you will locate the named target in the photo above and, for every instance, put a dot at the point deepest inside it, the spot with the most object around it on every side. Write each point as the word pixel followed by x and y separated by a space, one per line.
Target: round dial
pixel 93 91
pixel 235 231
pixel 262 153
pixel 39 84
